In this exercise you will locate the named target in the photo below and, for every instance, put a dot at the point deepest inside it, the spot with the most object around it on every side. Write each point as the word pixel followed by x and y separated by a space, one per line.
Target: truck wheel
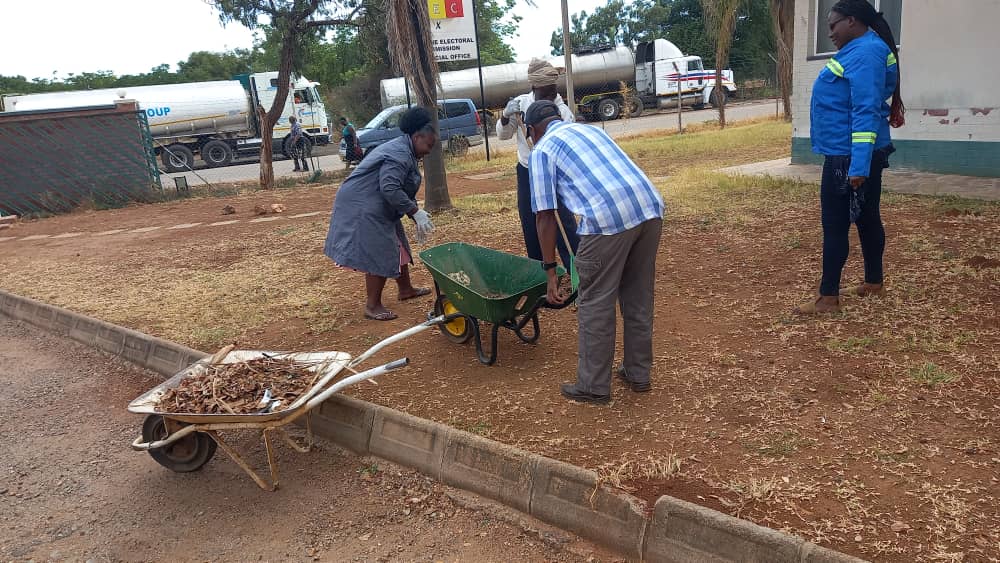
pixel 719 97
pixel 608 109
pixel 458 145
pixel 177 158
pixel 217 153
pixel 635 107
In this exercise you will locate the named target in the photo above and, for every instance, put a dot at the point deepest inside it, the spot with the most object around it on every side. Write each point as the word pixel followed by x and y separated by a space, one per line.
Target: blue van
pixel 458 122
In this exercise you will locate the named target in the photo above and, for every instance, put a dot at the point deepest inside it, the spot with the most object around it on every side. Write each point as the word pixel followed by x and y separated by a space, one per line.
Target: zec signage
pixel 453 29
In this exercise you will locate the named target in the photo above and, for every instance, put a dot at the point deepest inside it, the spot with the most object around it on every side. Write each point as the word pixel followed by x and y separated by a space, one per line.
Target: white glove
pixel 513 106
pixel 424 225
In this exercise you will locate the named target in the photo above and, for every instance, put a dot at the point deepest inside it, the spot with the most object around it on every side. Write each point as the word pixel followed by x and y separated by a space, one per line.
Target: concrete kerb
pixel 573 499
pixel 552 491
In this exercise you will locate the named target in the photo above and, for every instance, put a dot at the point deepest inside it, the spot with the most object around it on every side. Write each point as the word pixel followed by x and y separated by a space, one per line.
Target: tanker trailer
pixel 212 119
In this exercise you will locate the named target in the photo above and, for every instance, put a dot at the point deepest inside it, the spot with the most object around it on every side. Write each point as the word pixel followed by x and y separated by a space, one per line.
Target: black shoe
pixel 305 168
pixel 633 385
pixel 570 391
pixel 296 169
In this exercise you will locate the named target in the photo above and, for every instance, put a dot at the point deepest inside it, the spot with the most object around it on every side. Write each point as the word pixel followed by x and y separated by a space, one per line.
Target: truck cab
pixel 662 72
pixel 303 102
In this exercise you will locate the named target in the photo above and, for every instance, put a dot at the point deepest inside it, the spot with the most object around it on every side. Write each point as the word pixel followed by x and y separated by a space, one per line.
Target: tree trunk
pixel 290 38
pixel 783 21
pixel 266 169
pixel 436 196
pixel 717 92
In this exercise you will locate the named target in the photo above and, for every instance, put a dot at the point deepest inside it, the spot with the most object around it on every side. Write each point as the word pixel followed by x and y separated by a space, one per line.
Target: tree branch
pixel 321 23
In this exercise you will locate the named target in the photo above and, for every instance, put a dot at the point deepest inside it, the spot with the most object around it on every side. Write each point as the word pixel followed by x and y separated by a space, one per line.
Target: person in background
pixel 296 145
pixel 352 152
pixel 621 220
pixel 849 125
pixel 366 232
pixel 543 77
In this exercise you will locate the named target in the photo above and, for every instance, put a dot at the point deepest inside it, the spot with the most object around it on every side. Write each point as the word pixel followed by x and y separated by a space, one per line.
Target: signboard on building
pixel 453 30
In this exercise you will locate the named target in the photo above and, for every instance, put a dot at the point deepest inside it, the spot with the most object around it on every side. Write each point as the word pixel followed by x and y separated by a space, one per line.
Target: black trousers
pixel 530 231
pixel 835 205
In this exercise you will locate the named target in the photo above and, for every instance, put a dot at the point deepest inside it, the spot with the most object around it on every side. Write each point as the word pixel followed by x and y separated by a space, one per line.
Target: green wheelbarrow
pixel 474 284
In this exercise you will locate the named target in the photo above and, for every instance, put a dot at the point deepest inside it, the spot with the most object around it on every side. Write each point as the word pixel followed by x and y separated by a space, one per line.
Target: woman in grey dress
pixel 366 232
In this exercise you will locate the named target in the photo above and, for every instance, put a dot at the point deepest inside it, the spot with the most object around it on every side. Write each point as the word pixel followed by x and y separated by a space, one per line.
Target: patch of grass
pixel 617 474
pixel 793 242
pixel 370 470
pixel 931 374
pixel 480 427
pixel 285 231
pixel 214 337
pixel 781 444
pixel 851 344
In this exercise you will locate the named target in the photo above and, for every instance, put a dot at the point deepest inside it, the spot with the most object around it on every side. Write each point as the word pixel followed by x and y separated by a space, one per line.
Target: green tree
pixel 294 24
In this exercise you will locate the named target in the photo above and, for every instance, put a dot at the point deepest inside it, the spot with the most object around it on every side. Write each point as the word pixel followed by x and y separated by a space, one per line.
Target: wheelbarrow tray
pixel 329 364
pixel 487 284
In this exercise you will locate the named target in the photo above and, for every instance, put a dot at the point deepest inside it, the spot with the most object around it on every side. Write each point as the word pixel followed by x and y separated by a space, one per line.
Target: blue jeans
pixel 835 205
pixel 531 243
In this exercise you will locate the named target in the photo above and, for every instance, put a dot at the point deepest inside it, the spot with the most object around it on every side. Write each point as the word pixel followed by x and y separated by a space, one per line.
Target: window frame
pixel 817 55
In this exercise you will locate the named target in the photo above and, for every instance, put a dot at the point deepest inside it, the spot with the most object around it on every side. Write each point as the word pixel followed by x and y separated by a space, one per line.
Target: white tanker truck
pixel 215 120
pixel 649 74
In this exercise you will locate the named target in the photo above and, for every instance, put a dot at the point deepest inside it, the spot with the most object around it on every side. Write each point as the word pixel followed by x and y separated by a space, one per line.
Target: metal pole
pixel 482 89
pixel 680 126
pixel 568 51
pixel 777 95
pixel 407 86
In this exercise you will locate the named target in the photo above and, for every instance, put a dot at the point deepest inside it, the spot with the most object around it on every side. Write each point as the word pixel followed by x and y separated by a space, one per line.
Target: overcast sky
pixel 133 36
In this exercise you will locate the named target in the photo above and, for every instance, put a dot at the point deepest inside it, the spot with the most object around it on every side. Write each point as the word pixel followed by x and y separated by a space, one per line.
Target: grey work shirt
pixel 365 228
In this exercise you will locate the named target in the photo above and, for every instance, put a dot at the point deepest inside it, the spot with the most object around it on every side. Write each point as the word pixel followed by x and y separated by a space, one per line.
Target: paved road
pixel 329 160
pixel 71 488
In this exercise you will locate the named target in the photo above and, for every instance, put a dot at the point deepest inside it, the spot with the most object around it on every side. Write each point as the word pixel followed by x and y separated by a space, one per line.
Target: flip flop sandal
pixel 421 291
pixel 386 316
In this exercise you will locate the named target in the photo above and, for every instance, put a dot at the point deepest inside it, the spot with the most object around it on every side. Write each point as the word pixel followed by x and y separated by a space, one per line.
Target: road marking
pixel 184 226
pixel 69 235
pixel 220 223
pixel 36 237
pixel 264 219
pixel 313 214
pixel 145 229
pixel 111 232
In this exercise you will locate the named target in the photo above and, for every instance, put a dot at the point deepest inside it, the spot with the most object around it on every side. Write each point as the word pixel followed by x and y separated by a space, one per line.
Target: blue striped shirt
pixel 582 168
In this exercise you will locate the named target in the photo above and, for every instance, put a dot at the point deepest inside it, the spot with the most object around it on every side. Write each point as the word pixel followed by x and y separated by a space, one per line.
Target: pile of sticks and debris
pixel 254 386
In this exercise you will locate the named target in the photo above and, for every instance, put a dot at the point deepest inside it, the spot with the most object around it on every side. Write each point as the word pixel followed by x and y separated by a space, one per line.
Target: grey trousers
pixel 616 269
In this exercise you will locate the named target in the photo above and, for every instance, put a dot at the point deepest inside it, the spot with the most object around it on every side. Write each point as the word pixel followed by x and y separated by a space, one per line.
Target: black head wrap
pixel 414 119
pixel 864 12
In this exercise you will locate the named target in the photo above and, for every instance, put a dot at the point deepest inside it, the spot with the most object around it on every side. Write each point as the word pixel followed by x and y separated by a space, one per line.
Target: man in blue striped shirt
pixel 621 217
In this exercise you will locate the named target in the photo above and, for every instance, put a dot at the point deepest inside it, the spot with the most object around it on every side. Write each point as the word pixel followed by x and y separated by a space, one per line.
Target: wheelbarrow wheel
pixel 188 454
pixel 457 330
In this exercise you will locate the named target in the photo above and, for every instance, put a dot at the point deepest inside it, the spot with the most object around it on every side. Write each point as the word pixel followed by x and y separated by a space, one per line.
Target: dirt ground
pixel 72 490
pixel 873 431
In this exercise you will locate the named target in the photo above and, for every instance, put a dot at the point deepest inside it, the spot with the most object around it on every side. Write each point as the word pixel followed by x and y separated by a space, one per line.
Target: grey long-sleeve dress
pixel 365 228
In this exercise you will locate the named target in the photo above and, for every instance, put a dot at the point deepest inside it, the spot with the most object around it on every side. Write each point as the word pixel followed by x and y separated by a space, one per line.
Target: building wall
pixel 950 85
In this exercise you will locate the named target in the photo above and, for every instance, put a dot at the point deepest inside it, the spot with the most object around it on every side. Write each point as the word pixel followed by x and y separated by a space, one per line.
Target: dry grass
pixel 832 428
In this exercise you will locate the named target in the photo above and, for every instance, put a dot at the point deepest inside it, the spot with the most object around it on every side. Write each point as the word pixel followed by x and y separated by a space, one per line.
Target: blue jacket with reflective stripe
pixel 849 114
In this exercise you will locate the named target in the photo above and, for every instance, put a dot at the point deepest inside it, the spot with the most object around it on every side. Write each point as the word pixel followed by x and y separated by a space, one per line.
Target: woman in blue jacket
pixel 849 124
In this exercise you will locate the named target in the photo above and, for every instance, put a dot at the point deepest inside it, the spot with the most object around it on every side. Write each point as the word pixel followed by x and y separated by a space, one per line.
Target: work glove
pixel 424 225
pixel 513 107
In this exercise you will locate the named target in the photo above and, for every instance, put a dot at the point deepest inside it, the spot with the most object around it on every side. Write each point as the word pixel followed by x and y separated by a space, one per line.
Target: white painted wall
pixel 949 61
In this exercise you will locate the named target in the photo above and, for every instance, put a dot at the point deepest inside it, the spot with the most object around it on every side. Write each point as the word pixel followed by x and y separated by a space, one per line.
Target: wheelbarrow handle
pixel 396 338
pixel 348 381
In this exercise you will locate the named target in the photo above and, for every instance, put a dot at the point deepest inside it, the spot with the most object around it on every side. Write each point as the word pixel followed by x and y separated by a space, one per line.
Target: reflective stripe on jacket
pixel 848 113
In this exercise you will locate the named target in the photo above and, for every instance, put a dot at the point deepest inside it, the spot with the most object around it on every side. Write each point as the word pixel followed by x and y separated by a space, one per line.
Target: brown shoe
pixel 864 290
pixel 819 305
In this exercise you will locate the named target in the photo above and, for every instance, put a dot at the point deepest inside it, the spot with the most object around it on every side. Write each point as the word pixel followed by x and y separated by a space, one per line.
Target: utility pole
pixel 568 51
